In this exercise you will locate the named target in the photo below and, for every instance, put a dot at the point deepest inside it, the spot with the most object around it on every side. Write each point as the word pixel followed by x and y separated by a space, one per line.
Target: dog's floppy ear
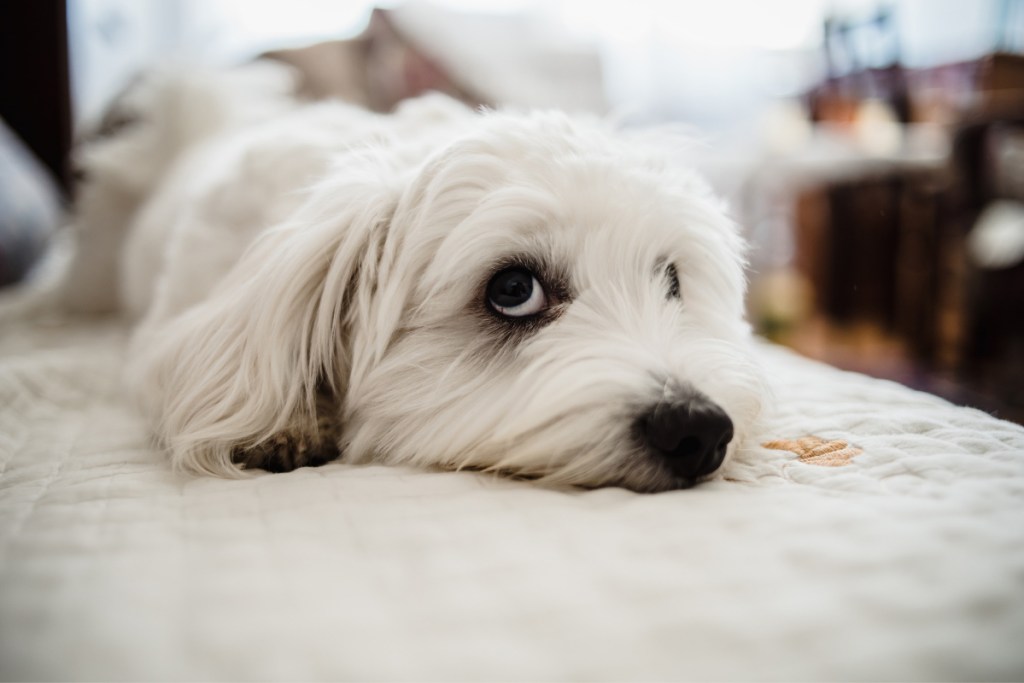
pixel 253 376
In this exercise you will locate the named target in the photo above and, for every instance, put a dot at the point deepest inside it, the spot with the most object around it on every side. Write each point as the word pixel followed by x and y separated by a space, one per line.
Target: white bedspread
pixel 907 563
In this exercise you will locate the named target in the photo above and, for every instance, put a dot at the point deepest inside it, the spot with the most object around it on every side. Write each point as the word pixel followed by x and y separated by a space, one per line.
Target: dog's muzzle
pixel 688 435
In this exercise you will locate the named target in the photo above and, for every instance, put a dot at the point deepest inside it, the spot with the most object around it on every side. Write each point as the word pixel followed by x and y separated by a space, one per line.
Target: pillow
pixel 30 208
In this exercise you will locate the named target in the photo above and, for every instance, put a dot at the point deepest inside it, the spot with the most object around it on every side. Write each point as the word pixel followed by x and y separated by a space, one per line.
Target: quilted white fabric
pixel 908 563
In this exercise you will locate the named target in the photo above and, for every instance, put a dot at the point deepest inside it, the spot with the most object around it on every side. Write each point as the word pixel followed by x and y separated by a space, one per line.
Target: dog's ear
pixel 254 375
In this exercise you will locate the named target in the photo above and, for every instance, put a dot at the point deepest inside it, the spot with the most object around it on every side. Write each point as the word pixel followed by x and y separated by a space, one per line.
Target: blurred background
pixel 873 151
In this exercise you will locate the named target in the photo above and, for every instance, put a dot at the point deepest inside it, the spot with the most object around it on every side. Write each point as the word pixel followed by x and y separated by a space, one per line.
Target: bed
pixel 878 535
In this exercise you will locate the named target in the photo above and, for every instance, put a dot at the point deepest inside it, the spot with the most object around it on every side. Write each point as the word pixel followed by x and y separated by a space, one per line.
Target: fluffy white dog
pixel 527 294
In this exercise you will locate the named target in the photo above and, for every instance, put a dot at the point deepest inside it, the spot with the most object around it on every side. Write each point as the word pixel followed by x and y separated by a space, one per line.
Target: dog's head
pixel 541 298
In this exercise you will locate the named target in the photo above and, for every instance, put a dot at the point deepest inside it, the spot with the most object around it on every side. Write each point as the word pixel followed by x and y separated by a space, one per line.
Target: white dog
pixel 520 293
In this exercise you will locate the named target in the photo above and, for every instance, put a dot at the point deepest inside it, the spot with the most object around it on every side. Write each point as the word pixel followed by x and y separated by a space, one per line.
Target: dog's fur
pixel 310 281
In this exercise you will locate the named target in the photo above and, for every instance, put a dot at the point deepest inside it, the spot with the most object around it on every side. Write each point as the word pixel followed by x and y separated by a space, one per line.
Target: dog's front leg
pixel 298 445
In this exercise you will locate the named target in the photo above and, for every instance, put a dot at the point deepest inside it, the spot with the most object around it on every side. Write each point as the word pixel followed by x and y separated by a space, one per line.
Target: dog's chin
pixel 651 485
pixel 649 474
pixel 644 476
pixel 661 485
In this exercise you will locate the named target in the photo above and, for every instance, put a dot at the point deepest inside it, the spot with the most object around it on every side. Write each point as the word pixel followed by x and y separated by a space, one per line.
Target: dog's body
pixel 523 293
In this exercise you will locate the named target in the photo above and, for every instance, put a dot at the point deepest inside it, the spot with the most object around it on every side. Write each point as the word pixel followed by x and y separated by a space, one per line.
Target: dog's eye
pixel 673 281
pixel 516 293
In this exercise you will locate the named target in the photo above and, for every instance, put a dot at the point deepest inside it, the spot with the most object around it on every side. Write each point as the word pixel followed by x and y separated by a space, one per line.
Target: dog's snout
pixel 690 435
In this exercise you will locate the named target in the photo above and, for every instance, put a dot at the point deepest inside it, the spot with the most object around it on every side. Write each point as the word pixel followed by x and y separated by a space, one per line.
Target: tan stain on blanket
pixel 815 450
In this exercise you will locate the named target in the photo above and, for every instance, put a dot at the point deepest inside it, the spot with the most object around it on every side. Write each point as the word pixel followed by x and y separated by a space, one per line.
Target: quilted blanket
pixel 880 534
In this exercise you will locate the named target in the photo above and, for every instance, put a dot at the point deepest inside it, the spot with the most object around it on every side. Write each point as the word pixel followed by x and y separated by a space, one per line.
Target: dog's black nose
pixel 691 435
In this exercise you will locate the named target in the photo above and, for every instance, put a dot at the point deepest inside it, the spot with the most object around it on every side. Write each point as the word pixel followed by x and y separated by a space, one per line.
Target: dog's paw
pixel 286 452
